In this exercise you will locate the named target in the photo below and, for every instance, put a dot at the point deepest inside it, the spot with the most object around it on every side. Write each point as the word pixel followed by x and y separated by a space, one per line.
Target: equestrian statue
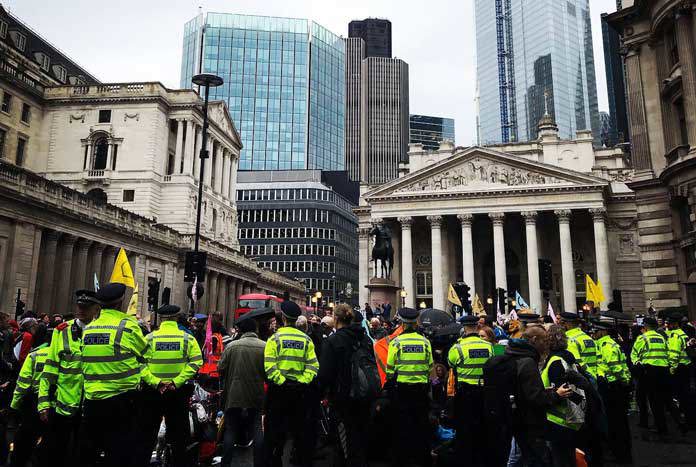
pixel 383 250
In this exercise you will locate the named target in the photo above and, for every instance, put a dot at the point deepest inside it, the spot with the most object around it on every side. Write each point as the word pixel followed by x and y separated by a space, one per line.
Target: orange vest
pixel 210 367
pixel 382 351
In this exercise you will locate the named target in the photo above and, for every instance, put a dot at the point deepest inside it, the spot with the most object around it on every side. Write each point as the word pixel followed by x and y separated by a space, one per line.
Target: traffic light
pixel 195 266
pixel 502 299
pixel 464 293
pixel 153 287
pixel 545 274
pixel 19 305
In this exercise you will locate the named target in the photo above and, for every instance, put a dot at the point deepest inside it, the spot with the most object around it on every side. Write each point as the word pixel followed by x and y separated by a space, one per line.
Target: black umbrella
pixel 434 317
pixel 617 316
pixel 452 329
pixel 257 313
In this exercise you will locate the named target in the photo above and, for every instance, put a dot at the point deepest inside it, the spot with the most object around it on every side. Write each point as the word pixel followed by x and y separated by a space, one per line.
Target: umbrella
pixel 257 313
pixel 434 317
pixel 451 329
pixel 617 316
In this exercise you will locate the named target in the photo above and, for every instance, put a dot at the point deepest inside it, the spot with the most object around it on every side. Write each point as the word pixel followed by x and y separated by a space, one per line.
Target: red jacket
pixel 24 346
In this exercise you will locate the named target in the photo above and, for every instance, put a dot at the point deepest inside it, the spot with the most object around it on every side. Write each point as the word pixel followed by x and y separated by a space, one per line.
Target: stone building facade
pixel 659 39
pixel 486 215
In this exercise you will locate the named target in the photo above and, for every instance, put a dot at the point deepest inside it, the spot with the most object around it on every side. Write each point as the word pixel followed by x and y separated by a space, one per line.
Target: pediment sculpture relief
pixel 479 173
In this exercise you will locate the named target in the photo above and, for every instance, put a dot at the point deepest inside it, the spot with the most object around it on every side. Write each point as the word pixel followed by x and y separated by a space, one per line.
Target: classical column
pixel 97 254
pixel 533 261
pixel 178 154
pixel 47 271
pixel 222 294
pixel 81 265
pixel 110 255
pixel 569 300
pixel 208 169
pixel 670 122
pixel 407 276
pixel 436 256
pixel 197 153
pixel 498 219
pixel 602 254
pixel 640 145
pixel 212 292
pixel 234 163
pixel 363 264
pixel 469 273
pixel 225 173
pixel 189 149
pixel 685 46
pixel 62 289
pixel 218 169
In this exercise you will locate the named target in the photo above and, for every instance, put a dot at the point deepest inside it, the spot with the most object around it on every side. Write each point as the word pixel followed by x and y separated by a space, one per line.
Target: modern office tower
pixel 532 55
pixel 616 86
pixel 384 118
pixel 355 54
pixel 284 83
pixel 376 33
pixel 430 131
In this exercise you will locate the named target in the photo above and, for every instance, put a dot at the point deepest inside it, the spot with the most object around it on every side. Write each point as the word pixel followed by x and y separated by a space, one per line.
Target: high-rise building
pixel 430 131
pixel 384 118
pixel 284 84
pixel 616 86
pixel 376 33
pixel 605 129
pixel 355 54
pixel 534 55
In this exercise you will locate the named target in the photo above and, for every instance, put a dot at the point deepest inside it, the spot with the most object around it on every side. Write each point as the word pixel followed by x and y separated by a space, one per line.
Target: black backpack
pixel 499 388
pixel 365 383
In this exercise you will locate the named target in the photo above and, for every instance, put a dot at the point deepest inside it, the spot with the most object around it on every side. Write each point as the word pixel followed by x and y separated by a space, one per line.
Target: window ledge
pixel 27 124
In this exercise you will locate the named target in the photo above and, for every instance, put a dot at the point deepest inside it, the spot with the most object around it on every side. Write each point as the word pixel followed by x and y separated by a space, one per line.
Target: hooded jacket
pixel 334 364
pixel 531 398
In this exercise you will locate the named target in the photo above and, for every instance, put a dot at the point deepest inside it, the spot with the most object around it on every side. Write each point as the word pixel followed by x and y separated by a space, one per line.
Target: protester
pixel 24 341
pixel 367 311
pixel 376 330
pixel 336 379
pixel 242 371
pixel 487 334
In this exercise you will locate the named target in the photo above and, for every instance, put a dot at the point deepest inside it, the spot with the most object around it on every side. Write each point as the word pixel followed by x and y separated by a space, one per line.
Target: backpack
pixel 365 383
pixel 499 388
pixel 577 411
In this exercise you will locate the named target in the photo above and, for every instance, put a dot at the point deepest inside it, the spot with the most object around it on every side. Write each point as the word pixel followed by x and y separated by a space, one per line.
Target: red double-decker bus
pixel 253 301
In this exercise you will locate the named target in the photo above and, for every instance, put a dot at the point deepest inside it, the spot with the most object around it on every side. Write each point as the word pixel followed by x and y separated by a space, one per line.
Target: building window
pixel 6 102
pixel 62 74
pixel 21 152
pixel 424 283
pixel 21 41
pixel 101 151
pixel 104 116
pixel 45 62
pixel 26 113
pixel 128 196
pixel 3 135
pixel 3 29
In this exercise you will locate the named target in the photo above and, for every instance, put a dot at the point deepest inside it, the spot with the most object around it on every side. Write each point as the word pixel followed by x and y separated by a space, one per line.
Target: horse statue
pixel 383 250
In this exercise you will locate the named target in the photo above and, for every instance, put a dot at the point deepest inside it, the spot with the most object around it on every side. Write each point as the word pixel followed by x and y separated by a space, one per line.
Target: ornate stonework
pixel 563 215
pixel 406 222
pixel 435 221
pixel 466 219
pixel 497 217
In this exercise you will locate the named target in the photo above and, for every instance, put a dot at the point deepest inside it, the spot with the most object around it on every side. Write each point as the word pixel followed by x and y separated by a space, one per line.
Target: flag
pixel 513 315
pixel 551 313
pixel 499 316
pixel 519 301
pixel 452 296
pixel 96 283
pixel 599 293
pixel 194 289
pixel 208 342
pixel 593 291
pixel 477 307
pixel 133 304
pixel 122 273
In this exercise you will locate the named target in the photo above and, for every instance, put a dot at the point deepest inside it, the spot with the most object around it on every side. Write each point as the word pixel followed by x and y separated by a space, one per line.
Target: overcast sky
pixel 140 40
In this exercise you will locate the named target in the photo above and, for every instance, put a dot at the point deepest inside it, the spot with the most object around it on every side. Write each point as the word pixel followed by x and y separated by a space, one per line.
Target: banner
pixel 477 307
pixel 520 303
pixel 452 296
pixel 122 273
pixel 593 291
pixel 551 313
pixel 133 304
pixel 96 283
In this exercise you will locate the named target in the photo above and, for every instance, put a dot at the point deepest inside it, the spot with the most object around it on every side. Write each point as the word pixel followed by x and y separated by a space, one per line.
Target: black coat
pixel 531 398
pixel 334 364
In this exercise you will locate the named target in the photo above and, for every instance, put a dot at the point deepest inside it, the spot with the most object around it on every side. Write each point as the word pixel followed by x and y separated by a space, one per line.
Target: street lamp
pixel 489 300
pixel 314 300
pixel 422 304
pixel 403 298
pixel 317 297
pixel 331 305
pixel 208 81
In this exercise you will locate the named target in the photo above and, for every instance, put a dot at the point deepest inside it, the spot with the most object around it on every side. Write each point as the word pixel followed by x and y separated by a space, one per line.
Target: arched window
pixel 101 151
pixel 98 195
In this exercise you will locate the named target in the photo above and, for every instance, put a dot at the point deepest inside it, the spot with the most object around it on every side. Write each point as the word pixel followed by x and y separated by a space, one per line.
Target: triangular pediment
pixel 220 115
pixel 479 169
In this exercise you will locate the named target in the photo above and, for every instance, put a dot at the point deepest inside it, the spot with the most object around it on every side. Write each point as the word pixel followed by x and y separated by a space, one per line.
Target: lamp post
pixel 333 287
pixel 403 298
pixel 208 81
pixel 489 301
pixel 317 298
pixel 422 304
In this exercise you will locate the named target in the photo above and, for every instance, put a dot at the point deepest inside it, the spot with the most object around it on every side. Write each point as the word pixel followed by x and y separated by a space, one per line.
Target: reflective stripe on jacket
pixel 410 357
pixel 611 363
pixel 557 413
pixel 61 384
pixel 112 355
pixel 583 349
pixel 289 355
pixel 650 349
pixel 29 375
pixel 676 345
pixel 468 356
pixel 171 355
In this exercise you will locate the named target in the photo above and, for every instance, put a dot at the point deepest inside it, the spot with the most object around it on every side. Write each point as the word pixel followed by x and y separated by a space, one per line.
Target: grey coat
pixel 241 368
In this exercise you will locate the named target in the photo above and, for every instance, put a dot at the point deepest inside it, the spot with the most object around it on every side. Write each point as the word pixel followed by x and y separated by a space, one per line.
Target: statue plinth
pixel 383 290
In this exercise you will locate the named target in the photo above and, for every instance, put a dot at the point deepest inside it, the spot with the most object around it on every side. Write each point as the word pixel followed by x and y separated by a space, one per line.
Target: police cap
pixel 85 297
pixel 603 325
pixel 650 321
pixel 168 310
pixel 674 318
pixel 408 315
pixel 290 310
pixel 528 317
pixel 469 320
pixel 111 293
pixel 200 317
pixel 566 316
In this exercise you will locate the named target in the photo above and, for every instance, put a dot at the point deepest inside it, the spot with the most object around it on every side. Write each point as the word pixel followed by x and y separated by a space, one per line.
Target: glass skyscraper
pixel 534 55
pixel 430 131
pixel 284 83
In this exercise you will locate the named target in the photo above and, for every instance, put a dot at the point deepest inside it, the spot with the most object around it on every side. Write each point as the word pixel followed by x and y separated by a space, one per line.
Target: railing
pixel 167 178
pixel 96 173
pixel 20 76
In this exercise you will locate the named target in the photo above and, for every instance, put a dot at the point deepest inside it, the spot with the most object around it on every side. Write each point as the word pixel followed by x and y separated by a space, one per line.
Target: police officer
pixel 409 361
pixel 172 358
pixel 467 358
pixel 580 344
pixel 290 363
pixel 112 351
pixel 614 381
pixel 60 389
pixel 24 400
pixel 679 367
pixel 650 354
